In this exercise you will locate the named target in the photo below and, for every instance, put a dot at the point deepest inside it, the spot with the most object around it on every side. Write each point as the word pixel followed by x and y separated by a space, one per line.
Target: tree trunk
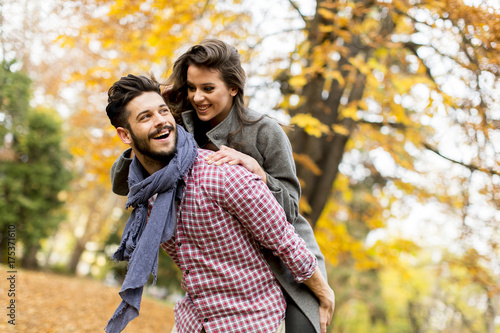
pixel 491 311
pixel 317 188
pixel 99 211
pixel 327 151
pixel 76 255
pixel 412 310
pixel 29 257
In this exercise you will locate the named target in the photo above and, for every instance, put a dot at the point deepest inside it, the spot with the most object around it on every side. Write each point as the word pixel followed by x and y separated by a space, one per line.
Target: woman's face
pixel 209 95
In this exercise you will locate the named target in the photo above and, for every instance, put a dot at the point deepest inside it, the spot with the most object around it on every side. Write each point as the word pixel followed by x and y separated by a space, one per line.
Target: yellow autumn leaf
pixel 361 65
pixel 362 105
pixel 307 162
pixel 325 28
pixel 311 125
pixel 337 75
pixel 327 14
pixel 339 129
pixel 373 63
pixel 350 111
pixel 297 81
pixel 77 151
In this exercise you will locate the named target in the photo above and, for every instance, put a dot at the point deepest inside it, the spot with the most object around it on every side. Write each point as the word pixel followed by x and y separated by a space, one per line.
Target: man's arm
pixel 250 200
pixel 326 296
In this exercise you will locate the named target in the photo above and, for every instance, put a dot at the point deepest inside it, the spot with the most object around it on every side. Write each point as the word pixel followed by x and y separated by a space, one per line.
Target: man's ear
pixel 124 135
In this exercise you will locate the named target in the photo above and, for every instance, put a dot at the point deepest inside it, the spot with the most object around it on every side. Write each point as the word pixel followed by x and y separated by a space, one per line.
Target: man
pixel 212 220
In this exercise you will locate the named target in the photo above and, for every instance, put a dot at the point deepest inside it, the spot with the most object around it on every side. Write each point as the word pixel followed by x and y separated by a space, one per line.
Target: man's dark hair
pixel 122 92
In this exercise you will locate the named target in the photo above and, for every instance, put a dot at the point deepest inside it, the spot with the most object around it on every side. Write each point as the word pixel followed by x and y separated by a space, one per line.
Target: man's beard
pixel 142 146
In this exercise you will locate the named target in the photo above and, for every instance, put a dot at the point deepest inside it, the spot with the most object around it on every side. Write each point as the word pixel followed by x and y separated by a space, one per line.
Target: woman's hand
pixel 233 157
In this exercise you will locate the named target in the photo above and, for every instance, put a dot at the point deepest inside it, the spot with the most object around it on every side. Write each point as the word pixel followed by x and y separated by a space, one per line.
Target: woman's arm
pixel 232 157
pixel 119 173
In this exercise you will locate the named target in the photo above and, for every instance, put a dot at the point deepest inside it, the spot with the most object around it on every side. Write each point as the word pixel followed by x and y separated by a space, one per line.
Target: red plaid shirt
pixel 225 216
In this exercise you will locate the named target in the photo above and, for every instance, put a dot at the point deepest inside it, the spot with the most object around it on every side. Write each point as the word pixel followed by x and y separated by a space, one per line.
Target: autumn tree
pixel 14 101
pixel 33 171
pixel 380 86
pixel 126 37
pixel 380 95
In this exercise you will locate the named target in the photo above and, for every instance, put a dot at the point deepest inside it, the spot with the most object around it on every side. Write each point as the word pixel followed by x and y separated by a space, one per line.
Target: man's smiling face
pixel 152 131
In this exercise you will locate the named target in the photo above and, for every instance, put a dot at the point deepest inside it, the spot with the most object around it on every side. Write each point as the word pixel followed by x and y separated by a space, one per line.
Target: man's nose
pixel 159 120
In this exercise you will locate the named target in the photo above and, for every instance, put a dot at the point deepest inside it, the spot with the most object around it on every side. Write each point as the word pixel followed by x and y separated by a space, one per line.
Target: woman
pixel 205 93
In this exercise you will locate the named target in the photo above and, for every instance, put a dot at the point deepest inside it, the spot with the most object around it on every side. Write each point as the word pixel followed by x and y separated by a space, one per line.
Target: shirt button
pixel 179 244
pixel 205 320
pixel 187 271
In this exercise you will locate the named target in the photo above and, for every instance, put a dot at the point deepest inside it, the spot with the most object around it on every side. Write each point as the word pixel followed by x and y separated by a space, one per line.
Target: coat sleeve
pixel 283 183
pixel 279 165
pixel 119 173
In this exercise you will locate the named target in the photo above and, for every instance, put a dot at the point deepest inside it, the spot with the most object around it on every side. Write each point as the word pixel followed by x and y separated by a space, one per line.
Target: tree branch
pixel 433 149
pixel 294 5
pixel 284 31
pixel 471 167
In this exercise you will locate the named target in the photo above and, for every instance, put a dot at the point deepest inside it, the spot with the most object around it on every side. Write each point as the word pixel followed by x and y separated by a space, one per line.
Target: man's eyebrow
pixel 161 106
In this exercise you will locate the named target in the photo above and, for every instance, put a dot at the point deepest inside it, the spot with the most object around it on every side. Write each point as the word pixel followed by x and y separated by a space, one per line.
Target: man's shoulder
pixel 202 153
pixel 203 170
pixel 206 170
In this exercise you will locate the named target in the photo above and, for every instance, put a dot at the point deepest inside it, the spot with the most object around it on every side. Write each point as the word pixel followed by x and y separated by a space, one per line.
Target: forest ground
pixel 52 303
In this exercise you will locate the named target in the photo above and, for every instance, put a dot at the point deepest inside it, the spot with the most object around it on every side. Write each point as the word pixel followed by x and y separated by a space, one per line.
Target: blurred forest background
pixel 395 107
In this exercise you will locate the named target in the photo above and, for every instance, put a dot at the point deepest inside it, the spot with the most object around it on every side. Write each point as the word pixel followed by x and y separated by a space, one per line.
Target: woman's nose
pixel 198 96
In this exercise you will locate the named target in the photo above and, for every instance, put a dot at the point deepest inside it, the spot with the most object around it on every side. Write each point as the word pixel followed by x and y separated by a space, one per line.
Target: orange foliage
pixel 52 303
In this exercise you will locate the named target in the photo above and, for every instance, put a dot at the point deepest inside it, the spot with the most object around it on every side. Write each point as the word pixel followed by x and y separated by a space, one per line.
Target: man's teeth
pixel 161 135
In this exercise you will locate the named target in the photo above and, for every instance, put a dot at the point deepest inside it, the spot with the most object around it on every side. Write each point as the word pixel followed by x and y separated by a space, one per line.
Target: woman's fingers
pixel 225 155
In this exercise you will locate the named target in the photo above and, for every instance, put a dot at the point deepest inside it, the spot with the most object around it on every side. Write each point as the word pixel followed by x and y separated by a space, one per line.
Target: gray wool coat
pixel 267 143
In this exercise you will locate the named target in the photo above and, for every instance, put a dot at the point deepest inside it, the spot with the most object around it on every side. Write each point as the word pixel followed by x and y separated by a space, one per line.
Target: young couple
pixel 229 219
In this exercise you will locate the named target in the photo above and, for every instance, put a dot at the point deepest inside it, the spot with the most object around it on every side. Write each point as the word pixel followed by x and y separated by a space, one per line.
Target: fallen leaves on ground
pixel 52 303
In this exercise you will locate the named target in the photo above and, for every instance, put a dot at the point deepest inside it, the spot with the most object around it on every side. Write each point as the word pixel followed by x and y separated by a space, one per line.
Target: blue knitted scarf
pixel 140 240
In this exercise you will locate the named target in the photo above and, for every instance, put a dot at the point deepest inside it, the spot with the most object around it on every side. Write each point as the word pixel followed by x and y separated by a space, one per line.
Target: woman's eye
pixel 191 88
pixel 209 89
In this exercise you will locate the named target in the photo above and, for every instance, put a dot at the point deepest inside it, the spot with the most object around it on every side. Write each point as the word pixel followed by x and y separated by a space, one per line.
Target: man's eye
pixel 144 117
pixel 164 111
